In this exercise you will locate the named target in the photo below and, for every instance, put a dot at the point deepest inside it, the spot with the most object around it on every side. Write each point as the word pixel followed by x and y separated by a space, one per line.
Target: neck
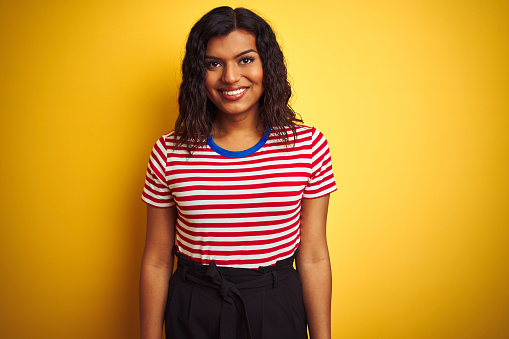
pixel 237 133
pixel 237 125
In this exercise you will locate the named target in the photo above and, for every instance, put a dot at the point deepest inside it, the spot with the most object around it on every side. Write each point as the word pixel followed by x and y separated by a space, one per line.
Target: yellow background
pixel 412 96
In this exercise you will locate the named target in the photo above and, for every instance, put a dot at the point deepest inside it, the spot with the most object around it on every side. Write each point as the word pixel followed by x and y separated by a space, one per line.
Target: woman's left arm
pixel 313 265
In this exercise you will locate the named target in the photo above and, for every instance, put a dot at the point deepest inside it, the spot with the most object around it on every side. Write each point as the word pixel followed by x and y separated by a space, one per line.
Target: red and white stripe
pixel 239 212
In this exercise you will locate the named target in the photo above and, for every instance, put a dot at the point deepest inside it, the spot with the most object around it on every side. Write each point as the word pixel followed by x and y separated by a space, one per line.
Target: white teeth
pixel 237 92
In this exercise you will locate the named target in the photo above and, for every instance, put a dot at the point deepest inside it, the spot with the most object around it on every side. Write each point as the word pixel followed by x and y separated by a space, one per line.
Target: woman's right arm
pixel 156 269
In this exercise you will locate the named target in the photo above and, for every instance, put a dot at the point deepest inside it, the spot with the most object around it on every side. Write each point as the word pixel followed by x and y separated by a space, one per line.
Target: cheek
pixel 258 75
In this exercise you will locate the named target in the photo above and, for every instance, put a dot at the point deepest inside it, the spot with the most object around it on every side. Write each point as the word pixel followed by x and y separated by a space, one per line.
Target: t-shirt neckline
pixel 239 154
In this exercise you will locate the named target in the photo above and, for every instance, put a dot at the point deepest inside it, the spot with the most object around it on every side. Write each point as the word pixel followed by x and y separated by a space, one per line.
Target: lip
pixel 234 97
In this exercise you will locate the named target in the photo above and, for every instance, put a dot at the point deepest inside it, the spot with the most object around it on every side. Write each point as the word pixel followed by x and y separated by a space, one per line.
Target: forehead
pixel 231 45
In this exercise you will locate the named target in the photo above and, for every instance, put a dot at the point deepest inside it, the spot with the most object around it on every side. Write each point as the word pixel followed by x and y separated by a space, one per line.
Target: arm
pixel 313 265
pixel 156 269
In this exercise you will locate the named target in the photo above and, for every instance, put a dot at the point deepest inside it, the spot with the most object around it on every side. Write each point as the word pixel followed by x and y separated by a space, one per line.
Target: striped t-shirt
pixel 240 209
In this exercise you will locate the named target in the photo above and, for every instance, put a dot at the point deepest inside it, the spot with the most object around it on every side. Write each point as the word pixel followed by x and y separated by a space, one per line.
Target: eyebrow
pixel 245 52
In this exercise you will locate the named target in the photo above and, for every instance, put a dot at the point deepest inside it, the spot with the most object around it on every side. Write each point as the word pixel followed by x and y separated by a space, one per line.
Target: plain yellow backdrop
pixel 412 96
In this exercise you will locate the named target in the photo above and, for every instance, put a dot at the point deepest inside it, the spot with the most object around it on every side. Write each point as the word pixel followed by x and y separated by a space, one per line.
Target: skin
pixel 156 269
pixel 313 265
pixel 233 63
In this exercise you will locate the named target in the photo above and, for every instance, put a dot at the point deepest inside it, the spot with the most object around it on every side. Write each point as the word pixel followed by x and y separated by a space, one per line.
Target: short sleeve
pixel 321 181
pixel 156 191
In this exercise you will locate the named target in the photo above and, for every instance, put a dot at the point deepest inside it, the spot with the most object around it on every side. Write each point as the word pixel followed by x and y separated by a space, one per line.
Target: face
pixel 234 74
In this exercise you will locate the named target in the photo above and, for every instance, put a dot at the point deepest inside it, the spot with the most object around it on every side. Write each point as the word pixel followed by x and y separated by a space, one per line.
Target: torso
pixel 242 209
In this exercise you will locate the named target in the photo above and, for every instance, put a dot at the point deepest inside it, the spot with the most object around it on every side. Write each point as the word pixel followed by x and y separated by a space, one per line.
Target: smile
pixel 236 92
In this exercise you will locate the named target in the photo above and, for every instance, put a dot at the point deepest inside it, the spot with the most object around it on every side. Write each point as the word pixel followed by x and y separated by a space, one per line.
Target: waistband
pixel 195 266
pixel 230 282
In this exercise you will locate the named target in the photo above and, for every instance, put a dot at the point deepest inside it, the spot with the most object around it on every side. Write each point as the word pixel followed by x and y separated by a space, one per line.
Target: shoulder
pixel 167 141
pixel 304 129
pixel 175 141
pixel 162 146
pixel 304 132
pixel 168 138
pixel 298 130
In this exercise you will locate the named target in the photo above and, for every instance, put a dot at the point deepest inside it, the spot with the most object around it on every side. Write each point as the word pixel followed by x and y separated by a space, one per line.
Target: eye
pixel 246 60
pixel 212 64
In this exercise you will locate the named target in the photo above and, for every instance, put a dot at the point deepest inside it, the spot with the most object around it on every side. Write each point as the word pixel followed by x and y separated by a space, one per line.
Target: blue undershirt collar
pixel 239 154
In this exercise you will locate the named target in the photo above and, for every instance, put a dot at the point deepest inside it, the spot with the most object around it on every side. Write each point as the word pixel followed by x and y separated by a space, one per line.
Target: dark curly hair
pixel 197 112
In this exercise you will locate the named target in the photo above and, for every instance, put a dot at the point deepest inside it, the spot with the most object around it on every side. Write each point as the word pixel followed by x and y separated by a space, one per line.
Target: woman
pixel 243 190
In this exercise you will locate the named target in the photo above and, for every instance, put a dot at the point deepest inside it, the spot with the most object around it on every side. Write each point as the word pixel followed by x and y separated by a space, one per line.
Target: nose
pixel 231 73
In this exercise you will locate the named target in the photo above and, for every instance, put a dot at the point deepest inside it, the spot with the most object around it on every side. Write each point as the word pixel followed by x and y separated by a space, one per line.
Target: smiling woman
pixel 243 191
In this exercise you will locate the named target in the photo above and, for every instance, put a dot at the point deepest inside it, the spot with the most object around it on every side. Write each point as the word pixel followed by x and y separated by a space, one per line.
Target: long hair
pixel 197 112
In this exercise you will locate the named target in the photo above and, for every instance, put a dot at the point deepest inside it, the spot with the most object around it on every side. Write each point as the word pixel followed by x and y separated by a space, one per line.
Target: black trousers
pixel 210 302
